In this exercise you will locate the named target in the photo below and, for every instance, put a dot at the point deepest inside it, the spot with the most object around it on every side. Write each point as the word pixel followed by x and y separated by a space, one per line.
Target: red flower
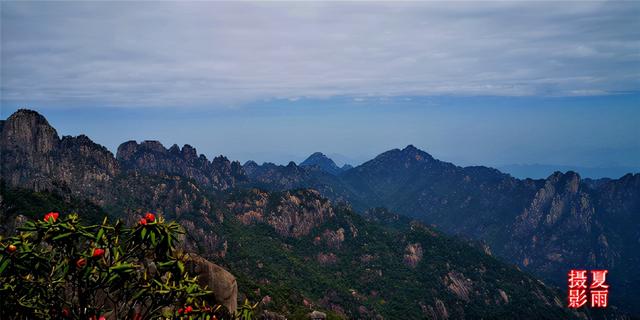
pixel 143 222
pixel 80 263
pixel 150 217
pixel 97 252
pixel 188 309
pixel 11 248
pixel 51 215
pixel 180 311
pixel 137 316
pixel 102 318
pixel 66 313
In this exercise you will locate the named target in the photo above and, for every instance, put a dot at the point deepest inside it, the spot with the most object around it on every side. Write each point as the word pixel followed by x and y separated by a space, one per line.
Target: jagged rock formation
pixel 34 156
pixel 151 157
pixel 279 177
pixel 291 214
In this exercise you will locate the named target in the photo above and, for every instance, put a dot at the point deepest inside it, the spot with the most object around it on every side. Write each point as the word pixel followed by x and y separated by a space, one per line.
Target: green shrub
pixel 57 268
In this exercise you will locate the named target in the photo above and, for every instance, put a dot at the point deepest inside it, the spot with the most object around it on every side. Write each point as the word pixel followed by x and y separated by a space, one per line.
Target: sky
pixel 488 83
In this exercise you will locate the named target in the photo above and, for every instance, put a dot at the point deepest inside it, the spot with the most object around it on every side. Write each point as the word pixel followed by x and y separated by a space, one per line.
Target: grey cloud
pixel 218 53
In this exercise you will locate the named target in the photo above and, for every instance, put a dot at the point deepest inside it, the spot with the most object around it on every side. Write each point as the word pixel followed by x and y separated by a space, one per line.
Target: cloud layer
pixel 145 54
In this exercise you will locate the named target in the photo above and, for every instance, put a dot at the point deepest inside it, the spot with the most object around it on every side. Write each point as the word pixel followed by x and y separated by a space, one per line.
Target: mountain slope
pixel 361 269
pixel 546 226
pixel 294 252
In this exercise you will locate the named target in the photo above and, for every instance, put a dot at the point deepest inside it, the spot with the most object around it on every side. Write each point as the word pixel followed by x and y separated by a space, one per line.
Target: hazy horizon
pixel 518 170
pixel 472 83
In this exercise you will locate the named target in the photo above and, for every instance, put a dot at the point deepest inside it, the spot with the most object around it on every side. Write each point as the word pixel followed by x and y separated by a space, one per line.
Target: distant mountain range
pixel 545 225
pixel 538 171
pixel 252 218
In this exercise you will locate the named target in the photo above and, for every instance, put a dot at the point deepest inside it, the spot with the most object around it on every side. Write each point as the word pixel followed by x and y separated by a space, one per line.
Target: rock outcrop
pixel 291 213
pixel 413 254
pixel 34 157
pixel 222 283
pixel 151 157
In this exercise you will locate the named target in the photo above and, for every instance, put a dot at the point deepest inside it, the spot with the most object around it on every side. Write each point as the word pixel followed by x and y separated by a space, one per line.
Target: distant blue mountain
pixel 325 163
pixel 540 171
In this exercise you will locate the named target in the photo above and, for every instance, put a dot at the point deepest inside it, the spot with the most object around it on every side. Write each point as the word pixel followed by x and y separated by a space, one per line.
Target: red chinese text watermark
pixel 598 290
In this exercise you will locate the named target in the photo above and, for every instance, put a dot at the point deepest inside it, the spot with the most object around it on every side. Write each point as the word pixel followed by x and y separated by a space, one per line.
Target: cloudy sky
pixel 471 82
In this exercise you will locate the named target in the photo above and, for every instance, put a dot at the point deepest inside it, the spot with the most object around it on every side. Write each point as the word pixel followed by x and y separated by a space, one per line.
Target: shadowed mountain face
pixel 324 163
pixel 35 157
pixel 547 225
pixel 151 157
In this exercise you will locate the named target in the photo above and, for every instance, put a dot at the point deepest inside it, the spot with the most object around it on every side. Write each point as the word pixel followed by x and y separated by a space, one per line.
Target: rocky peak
pixel 33 156
pixel 30 132
pixel 174 150
pixel 220 159
pixel 188 152
pixel 126 150
pixel 396 157
pixel 153 145
pixel 250 164
pixel 250 167
pixel 323 162
pixel 413 152
pixel 153 158
pixel 569 181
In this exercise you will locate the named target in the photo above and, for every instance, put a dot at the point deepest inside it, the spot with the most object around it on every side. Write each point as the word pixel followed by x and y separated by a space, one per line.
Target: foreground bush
pixel 57 268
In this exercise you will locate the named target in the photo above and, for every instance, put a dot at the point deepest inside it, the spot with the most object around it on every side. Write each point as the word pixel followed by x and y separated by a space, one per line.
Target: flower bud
pixel 97 252
pixel 150 217
pixel 80 263
pixel 51 216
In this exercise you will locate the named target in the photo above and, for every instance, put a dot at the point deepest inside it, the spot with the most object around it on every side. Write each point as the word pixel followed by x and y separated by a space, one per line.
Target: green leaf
pixel 153 237
pixel 138 294
pixel 60 236
pixel 113 278
pixel 4 264
pixel 100 234
pixel 122 267
pixel 143 233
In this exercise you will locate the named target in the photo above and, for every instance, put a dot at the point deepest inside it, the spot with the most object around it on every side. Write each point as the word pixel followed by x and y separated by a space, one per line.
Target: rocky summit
pixel 325 163
pixel 367 242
